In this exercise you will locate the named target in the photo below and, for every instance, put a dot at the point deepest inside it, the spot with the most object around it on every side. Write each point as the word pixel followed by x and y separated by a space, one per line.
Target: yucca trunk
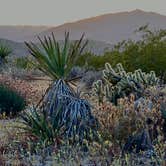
pixel 74 114
pixel 79 121
pixel 56 97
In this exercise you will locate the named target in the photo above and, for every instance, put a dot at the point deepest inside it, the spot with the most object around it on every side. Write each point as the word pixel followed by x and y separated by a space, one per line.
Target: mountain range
pixel 105 30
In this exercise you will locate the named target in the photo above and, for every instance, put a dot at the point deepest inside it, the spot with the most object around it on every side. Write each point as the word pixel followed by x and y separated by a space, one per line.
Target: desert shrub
pixel 77 72
pixel 11 102
pixel 91 61
pixel 21 73
pixel 159 95
pixel 37 124
pixel 22 87
pixel 4 52
pixel 120 122
pixel 147 54
pixel 90 77
pixel 133 119
pixel 24 63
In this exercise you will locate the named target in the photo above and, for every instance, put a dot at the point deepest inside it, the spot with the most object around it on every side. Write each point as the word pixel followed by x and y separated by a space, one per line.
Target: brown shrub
pixel 121 121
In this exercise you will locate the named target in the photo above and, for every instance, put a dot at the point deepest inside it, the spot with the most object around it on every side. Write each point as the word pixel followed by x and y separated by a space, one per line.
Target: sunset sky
pixel 56 12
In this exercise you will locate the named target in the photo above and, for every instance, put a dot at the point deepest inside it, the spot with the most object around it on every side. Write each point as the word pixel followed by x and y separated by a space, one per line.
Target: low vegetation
pixel 11 103
pixel 25 63
pixel 120 120
pixel 4 52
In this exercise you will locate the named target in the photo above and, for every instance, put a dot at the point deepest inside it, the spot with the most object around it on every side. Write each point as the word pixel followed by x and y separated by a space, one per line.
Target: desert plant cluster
pixel 114 118
pixel 146 54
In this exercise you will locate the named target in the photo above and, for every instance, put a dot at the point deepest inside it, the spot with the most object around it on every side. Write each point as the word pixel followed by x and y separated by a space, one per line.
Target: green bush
pixel 39 125
pixel 4 52
pixel 149 53
pixel 10 101
pixel 24 63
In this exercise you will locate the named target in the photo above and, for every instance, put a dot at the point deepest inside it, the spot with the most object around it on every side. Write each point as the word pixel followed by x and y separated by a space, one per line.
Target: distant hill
pixel 20 33
pixel 102 31
pixel 110 27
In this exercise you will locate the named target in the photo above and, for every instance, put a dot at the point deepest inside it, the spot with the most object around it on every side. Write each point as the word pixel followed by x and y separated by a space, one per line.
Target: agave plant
pixel 4 52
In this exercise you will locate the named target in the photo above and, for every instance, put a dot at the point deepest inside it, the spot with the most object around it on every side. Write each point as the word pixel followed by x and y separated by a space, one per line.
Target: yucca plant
pixel 4 52
pixel 57 61
pixel 54 60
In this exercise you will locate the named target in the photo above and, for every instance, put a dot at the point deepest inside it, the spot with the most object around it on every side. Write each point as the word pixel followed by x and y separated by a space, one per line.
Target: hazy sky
pixel 56 12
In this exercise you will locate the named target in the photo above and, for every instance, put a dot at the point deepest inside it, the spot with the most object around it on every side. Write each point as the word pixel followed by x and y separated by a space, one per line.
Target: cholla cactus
pixel 99 90
pixel 146 79
pixel 118 83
